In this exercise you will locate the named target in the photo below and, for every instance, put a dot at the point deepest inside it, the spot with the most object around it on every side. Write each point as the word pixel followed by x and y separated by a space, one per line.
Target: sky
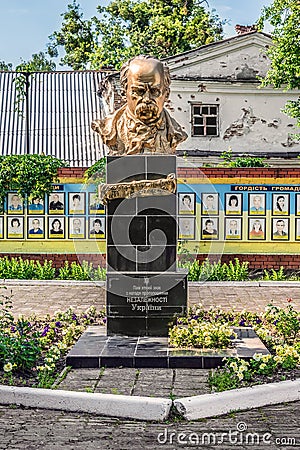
pixel 26 24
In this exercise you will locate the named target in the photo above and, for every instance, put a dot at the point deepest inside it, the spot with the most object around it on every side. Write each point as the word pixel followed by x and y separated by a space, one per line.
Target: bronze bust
pixel 142 125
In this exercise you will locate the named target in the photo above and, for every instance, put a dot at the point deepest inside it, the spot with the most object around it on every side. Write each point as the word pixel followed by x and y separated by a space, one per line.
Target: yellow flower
pixel 233 365
pixel 266 358
pixel 8 367
pixel 257 356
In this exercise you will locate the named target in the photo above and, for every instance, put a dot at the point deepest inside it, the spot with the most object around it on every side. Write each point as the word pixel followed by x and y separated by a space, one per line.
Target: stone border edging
pixel 278 284
pixel 153 408
pixel 18 282
pixel 122 406
pixel 220 403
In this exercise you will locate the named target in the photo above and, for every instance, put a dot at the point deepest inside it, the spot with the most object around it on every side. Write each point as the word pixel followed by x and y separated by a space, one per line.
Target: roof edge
pixel 212 44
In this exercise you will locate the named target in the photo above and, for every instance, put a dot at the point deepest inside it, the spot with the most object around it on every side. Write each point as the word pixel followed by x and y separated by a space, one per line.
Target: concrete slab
pixel 122 406
pixel 217 404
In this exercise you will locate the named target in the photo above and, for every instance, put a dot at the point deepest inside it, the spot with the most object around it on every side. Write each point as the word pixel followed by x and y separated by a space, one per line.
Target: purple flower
pixel 74 317
pixel 258 321
pixel 242 323
pixel 195 317
pixel 13 329
pixel 104 319
pixel 58 324
pixel 45 331
pixel 275 322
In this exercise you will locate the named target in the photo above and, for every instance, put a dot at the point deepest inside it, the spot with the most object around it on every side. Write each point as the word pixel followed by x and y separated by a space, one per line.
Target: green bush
pixel 19 344
pixel 217 271
pixel 29 175
pixel 99 274
pixel 17 268
pixel 96 173
pixel 242 161
pixel 274 275
pixel 75 271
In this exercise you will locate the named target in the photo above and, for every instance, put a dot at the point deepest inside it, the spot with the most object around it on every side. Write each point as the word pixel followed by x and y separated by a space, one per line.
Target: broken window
pixel 205 120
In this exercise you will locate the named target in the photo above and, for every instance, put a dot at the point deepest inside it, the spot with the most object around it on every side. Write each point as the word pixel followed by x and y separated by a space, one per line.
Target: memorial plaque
pixel 151 297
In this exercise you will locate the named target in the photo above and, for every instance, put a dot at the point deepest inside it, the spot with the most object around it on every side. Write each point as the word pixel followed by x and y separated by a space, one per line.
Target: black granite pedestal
pixel 95 349
pixel 144 288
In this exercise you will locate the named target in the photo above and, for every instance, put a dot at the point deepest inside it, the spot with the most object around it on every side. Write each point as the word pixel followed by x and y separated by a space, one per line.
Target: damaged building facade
pixel 216 95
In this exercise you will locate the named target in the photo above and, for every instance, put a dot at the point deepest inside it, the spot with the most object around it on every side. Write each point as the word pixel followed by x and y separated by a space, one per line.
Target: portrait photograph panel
pixel 36 206
pixel 209 204
pixel 56 227
pixel 233 228
pixel 297 230
pixel 280 204
pixel 186 228
pixel 257 229
pixel 97 227
pixel 35 227
pixel 187 203
pixel 95 206
pixel 257 204
pixel 15 227
pixel 280 229
pixel 56 203
pixel 209 228
pixel 76 203
pixel 76 227
pixel 233 204
pixel 297 206
pixel 1 227
pixel 15 204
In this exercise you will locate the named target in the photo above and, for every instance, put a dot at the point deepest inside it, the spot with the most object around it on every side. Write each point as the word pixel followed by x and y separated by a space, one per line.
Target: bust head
pixel 145 85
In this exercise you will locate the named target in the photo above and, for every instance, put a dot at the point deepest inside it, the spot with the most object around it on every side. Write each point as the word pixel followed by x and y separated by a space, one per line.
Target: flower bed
pixel 278 328
pixel 32 349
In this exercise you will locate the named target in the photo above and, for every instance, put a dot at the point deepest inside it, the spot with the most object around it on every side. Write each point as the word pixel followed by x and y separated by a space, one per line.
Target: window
pixel 205 120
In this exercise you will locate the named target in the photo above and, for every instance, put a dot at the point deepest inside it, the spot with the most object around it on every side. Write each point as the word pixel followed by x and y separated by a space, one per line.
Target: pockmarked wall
pixel 252 214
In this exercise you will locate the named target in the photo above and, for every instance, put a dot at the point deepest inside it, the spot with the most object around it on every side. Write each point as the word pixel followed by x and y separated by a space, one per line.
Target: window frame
pixel 217 115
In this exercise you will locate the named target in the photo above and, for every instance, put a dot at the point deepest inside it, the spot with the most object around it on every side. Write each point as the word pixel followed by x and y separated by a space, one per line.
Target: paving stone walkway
pixel 272 427
pixel 167 383
pixel 42 298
